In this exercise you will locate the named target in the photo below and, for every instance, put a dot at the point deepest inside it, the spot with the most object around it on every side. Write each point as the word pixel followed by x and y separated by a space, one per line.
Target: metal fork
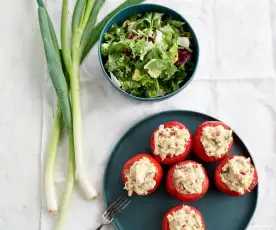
pixel 112 211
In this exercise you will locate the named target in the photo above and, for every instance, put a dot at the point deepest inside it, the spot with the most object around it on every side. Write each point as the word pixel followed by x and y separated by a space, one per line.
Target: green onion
pixel 73 69
pixel 55 134
pixel 60 85
pixel 64 68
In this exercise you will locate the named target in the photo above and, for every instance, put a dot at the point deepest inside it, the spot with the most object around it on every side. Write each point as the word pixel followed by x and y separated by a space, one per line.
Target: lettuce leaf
pixel 147 56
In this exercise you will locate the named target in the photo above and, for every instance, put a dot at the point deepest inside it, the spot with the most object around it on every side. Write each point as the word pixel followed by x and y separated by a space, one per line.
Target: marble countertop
pixel 235 82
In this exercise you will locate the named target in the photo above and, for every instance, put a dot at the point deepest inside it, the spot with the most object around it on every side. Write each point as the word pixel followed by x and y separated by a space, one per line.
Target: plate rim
pixel 115 222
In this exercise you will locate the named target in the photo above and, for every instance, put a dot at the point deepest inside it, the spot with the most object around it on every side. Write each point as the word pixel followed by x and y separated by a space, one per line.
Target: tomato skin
pixel 185 197
pixel 198 148
pixel 223 187
pixel 165 222
pixel 172 160
pixel 159 170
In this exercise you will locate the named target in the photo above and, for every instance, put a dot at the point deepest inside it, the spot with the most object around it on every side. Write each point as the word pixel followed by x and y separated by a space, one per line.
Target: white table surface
pixel 235 82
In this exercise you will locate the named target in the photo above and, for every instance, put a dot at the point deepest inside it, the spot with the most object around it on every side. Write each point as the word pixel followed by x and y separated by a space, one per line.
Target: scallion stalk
pixel 70 184
pixel 59 82
pixel 85 35
pixel 90 37
pixel 50 191
pixel 73 69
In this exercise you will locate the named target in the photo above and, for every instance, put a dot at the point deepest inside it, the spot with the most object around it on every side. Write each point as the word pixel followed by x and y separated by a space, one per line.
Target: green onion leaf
pixel 91 23
pixel 55 68
pixel 87 12
pixel 65 48
pixel 78 14
pixel 96 32
pixel 40 3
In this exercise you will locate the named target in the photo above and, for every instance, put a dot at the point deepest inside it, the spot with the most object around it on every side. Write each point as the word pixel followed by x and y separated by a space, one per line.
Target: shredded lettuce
pixel 149 55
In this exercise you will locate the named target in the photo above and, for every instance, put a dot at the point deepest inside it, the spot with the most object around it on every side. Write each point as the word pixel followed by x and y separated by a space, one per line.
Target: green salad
pixel 149 55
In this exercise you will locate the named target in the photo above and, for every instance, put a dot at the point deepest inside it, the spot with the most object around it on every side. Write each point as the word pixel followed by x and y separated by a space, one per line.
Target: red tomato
pixel 179 195
pixel 198 148
pixel 165 222
pixel 223 187
pixel 174 159
pixel 159 172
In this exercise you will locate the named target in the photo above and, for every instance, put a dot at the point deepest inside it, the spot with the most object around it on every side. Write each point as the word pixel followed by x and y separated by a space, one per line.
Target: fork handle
pixel 100 227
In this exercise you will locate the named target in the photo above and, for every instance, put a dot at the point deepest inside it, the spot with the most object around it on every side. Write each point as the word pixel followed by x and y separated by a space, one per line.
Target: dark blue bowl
pixel 123 15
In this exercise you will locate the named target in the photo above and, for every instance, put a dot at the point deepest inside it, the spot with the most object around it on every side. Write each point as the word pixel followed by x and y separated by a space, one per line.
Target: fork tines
pixel 116 207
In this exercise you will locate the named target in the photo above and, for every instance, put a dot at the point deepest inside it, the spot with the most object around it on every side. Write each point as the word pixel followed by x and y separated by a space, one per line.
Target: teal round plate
pixel 220 212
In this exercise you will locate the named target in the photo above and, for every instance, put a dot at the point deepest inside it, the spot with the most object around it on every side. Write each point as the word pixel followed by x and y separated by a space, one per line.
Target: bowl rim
pixel 145 98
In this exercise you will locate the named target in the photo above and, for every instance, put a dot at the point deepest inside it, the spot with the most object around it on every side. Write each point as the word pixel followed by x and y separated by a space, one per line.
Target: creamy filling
pixel 188 178
pixel 140 177
pixel 216 140
pixel 170 141
pixel 185 219
pixel 238 174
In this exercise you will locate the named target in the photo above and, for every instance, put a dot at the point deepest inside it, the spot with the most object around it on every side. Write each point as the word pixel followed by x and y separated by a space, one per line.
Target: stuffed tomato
pixel 212 141
pixel 141 175
pixel 187 181
pixel 183 217
pixel 171 142
pixel 235 175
